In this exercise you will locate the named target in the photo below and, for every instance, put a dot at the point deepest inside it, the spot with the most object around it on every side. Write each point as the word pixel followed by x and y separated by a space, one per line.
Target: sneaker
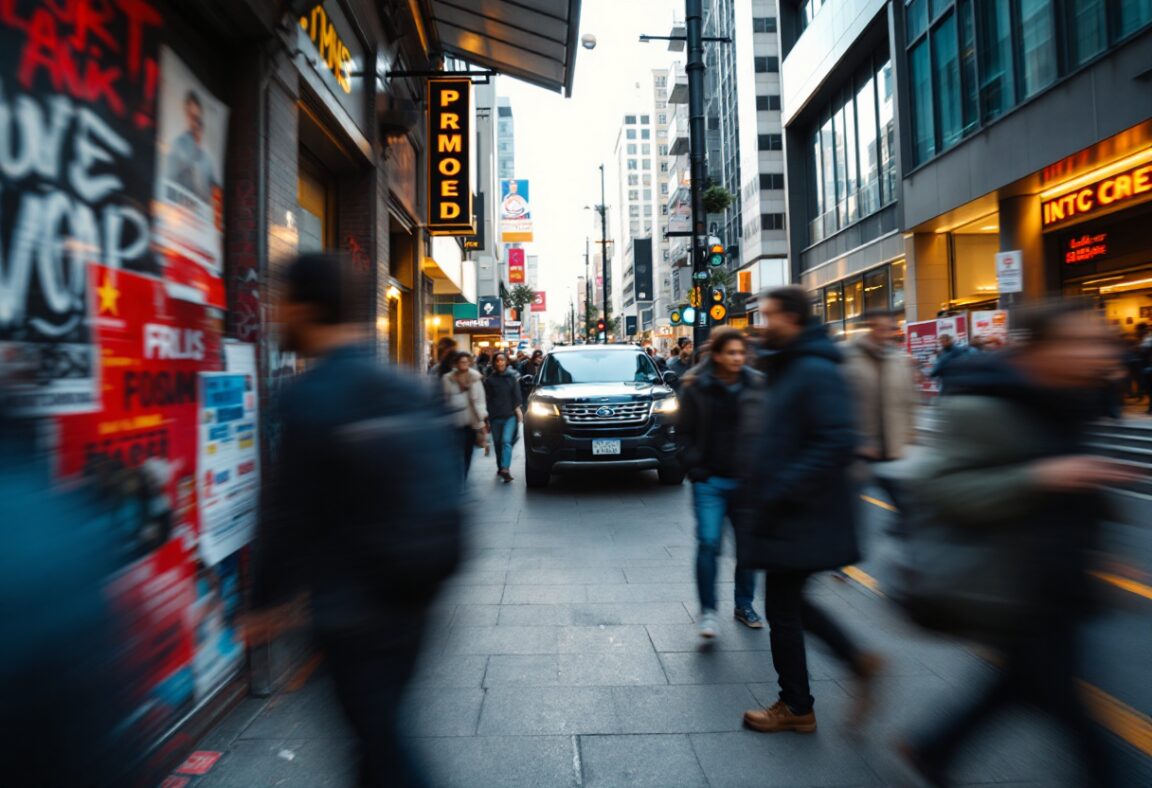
pixel 748 617
pixel 708 625
pixel 778 718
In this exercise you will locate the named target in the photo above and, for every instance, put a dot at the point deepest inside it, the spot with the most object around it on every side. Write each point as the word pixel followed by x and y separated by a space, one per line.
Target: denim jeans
pixel 713 500
pixel 503 431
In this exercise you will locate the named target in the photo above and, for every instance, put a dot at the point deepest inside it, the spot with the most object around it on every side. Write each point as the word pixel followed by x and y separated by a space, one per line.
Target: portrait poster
pixel 188 206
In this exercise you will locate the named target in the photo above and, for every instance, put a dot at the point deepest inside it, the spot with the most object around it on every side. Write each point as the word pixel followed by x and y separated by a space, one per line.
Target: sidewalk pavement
pixel 566 654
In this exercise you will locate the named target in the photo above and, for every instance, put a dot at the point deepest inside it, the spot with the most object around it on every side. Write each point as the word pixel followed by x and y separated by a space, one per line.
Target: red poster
pixel 516 267
pixel 540 302
pixel 141 449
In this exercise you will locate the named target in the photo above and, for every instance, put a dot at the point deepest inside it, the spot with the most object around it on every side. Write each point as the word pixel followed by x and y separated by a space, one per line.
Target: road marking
pixel 577 764
pixel 1131 586
pixel 877 502
pixel 1124 721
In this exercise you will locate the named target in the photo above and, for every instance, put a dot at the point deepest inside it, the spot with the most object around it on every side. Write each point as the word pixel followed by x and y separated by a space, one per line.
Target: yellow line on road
pixel 1131 586
pixel 1124 721
pixel 877 502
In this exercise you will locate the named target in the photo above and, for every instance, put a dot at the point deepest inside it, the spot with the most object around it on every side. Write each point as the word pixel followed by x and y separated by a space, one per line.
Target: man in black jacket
pixel 365 514
pixel 801 515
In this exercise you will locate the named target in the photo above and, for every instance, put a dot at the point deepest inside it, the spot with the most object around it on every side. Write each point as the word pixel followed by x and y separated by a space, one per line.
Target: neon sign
pixel 1105 193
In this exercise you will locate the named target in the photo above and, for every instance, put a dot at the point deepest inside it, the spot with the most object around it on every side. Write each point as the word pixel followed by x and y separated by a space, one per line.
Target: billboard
pixel 540 302
pixel 449 152
pixel 490 307
pixel 515 212
pixel 642 268
pixel 923 344
pixel 680 214
pixel 516 267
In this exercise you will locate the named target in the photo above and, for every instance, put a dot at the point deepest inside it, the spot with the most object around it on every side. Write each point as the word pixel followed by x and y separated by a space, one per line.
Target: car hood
pixel 573 392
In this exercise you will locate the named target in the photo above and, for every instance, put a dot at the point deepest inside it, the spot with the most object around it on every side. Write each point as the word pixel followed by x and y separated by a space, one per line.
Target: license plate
pixel 605 447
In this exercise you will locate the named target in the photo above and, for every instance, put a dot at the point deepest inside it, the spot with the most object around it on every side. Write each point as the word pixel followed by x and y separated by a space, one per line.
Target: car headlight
pixel 666 405
pixel 542 409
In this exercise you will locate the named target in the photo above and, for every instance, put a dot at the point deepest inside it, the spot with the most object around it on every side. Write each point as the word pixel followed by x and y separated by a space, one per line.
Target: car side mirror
pixel 669 377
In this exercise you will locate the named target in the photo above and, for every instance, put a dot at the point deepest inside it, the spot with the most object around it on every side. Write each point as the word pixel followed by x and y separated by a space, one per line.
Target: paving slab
pixel 534 711
pixel 640 761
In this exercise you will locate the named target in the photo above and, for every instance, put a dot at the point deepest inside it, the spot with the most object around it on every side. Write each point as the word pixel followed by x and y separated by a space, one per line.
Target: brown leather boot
pixel 867 668
pixel 778 718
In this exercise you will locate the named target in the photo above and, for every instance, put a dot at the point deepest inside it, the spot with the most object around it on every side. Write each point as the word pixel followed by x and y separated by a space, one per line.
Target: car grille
pixel 598 414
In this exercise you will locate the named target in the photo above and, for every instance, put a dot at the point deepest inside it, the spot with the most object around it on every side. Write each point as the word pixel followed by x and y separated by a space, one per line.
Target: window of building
pixel 771 221
pixel 767 65
pixel 634 195
pixel 946 66
pixel 887 117
pixel 664 190
pixel 646 164
pixel 868 143
pixel 632 149
pixel 713 123
pixel 633 210
pixel 1037 46
pixel 629 120
pixel 661 82
pixel 763 24
pixel 645 120
pixel 633 180
pixel 646 149
pixel 924 138
pixel 771 180
pixel 648 210
pixel 662 150
pixel 876 290
pixel 645 134
pixel 664 212
pixel 503 112
pixel 770 142
pixel 1134 14
pixel 994 57
pixel 632 164
pixel 663 166
pixel 970 94
pixel 630 134
pixel 647 179
pixel 662 119
pixel 1087 23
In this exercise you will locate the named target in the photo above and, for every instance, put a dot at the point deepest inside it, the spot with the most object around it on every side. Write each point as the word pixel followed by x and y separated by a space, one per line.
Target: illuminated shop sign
pixel 1127 186
pixel 328 42
pixel 1085 248
pixel 449 149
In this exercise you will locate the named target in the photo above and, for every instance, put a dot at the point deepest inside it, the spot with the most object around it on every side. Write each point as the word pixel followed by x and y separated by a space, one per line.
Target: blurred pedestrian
pixel 717 408
pixel 465 399
pixel 484 363
pixel 1012 469
pixel 505 412
pixel 950 351
pixel 442 364
pixel 883 383
pixel 801 516
pixel 680 364
pixel 369 539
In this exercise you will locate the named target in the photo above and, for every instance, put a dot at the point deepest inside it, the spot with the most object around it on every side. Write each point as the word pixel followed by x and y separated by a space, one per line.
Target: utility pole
pixel 694 22
pixel 604 242
pixel 587 286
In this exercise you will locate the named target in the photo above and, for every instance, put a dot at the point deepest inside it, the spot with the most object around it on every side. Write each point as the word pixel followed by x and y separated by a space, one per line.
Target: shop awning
pixel 532 40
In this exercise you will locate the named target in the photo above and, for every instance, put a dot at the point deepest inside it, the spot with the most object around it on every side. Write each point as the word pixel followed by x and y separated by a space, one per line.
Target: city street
pixel 566 654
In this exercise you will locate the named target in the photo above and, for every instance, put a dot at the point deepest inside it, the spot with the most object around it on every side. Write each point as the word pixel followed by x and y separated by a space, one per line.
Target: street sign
pixel 700 276
pixel 1010 271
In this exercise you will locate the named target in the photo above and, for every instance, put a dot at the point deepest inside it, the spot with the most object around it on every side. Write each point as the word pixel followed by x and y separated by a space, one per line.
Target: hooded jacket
pixel 502 390
pixel 714 421
pixel 885 394
pixel 994 426
pixel 800 508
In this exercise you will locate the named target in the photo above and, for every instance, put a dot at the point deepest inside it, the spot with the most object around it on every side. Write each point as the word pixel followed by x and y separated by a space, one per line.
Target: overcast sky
pixel 561 142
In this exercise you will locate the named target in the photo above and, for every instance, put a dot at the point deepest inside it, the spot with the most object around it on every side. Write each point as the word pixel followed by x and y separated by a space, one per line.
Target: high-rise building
pixel 924 138
pixel 641 146
pixel 505 139
pixel 488 191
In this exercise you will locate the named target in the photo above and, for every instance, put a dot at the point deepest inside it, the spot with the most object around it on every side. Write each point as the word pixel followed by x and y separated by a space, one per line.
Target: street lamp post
pixel 604 250
pixel 587 285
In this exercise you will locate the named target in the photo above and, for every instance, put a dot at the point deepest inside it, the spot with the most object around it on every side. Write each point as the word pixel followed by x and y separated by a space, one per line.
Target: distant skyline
pixel 560 143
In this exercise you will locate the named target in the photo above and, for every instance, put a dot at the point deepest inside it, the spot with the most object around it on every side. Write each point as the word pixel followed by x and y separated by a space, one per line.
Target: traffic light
pixel 675 317
pixel 717 295
pixel 688 315
pixel 718 312
pixel 601 326
pixel 716 255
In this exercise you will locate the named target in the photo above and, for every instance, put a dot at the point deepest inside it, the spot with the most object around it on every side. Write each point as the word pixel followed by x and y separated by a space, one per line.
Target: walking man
pixel 366 536
pixel 801 516
pixel 884 390
pixel 716 406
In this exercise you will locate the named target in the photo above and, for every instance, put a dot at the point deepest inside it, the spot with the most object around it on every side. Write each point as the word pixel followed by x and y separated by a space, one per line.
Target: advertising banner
pixel 515 212
pixel 489 308
pixel 219 645
pixel 516 267
pixel 75 182
pixel 680 214
pixel 991 327
pixel 228 477
pixel 923 344
pixel 188 208
pixel 540 301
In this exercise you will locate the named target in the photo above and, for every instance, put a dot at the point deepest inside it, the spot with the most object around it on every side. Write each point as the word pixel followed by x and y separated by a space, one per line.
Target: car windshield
pixel 598 366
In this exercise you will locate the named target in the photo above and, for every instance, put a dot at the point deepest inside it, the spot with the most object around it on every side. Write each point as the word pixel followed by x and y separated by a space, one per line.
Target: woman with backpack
pixel 505 412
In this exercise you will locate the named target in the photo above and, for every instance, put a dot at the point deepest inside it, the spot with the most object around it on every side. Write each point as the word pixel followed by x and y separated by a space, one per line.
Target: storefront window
pixel 1038 46
pixel 974 267
pixel 876 290
pixel 853 299
pixel 834 303
pixel 898 270
pixel 315 195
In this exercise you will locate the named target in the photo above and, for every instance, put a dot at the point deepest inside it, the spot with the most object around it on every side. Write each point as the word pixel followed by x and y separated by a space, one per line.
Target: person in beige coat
pixel 883 384
pixel 464 398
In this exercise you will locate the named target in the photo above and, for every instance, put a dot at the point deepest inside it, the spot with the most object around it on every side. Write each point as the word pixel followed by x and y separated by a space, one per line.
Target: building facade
pixel 925 138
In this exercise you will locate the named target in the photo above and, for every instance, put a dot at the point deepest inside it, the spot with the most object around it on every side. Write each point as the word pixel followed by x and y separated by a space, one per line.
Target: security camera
pixel 588 41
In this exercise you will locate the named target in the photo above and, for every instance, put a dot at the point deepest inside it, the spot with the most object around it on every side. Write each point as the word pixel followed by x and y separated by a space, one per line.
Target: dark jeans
pixel 468 445
pixel 370 671
pixel 1039 669
pixel 789 614
pixel 712 500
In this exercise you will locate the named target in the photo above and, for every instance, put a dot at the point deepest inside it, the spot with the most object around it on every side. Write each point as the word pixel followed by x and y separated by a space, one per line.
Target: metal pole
pixel 604 251
pixel 587 286
pixel 694 21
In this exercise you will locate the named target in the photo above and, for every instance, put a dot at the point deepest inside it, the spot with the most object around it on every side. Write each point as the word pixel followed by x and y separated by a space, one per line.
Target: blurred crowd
pixel 999 517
